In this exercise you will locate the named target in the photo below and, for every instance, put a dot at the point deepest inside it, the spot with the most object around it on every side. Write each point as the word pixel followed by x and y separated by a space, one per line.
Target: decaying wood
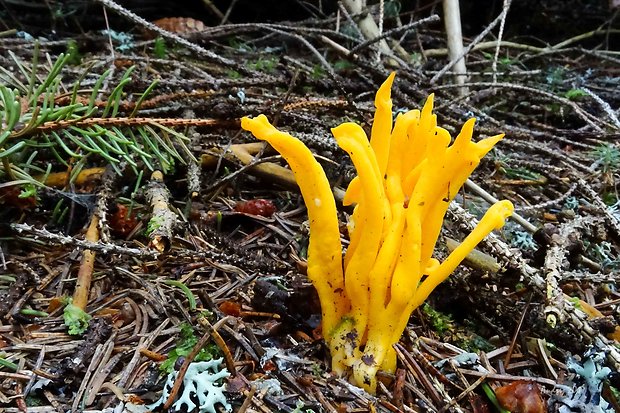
pixel 163 221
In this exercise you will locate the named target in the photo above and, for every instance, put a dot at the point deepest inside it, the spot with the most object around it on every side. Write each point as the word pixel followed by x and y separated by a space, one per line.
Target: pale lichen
pixel 202 388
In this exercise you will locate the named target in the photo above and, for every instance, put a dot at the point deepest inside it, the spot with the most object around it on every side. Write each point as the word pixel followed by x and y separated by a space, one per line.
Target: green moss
pixel 233 74
pixel 152 226
pixel 341 65
pixel 187 341
pixel 607 157
pixel 34 401
pixel 575 94
pixel 75 319
pixel 29 191
pixel 318 72
pixel 576 302
pixel 448 330
pixel 441 323
pixel 265 64
pixel 160 50
pixel 74 56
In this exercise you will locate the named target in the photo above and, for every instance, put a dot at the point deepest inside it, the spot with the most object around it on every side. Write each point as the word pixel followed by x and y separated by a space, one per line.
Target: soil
pixel 199 249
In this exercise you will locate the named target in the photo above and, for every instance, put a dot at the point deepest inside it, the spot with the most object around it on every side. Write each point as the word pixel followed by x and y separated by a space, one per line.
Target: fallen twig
pixel 85 273
pixel 101 247
pixel 163 221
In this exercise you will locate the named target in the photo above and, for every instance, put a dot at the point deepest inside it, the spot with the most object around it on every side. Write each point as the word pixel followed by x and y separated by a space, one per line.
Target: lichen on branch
pixel 163 221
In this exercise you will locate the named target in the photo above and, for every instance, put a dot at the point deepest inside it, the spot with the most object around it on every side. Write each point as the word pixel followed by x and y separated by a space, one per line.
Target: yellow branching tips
pixel 407 174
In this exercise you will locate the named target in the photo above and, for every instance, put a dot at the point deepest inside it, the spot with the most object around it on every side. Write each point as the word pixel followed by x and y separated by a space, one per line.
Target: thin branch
pixel 454 39
pixel 367 24
pixel 490 198
pixel 604 105
pixel 452 62
pixel 85 273
pixel 499 37
pixel 100 247
pixel 171 36
pixel 587 117
pixel 489 45
pixel 430 19
pixel 123 122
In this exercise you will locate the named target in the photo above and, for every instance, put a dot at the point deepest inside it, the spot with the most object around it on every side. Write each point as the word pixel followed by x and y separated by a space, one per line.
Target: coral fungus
pixel 407 174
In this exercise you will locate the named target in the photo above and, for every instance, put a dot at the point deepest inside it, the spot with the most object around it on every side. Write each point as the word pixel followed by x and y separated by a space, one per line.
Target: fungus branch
pixel 408 173
pixel 325 274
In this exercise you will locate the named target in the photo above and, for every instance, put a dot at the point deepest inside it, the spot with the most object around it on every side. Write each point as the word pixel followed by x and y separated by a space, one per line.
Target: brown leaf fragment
pixel 89 176
pixel 237 385
pixel 54 304
pixel 133 399
pixel 122 222
pixel 270 366
pixel 12 196
pixel 181 25
pixel 230 308
pixel 521 397
pixel 262 207
pixel 306 380
pixel 478 404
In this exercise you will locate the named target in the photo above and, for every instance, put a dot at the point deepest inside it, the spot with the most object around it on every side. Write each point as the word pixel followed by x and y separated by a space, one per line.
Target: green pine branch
pixel 37 124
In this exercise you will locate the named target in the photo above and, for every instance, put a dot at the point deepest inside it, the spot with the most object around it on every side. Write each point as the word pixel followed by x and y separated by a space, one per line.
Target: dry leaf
pixel 521 397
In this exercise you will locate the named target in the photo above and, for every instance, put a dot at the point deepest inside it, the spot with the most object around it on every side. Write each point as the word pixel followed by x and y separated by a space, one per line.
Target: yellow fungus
pixel 407 174
pixel 324 252
pixel 382 125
